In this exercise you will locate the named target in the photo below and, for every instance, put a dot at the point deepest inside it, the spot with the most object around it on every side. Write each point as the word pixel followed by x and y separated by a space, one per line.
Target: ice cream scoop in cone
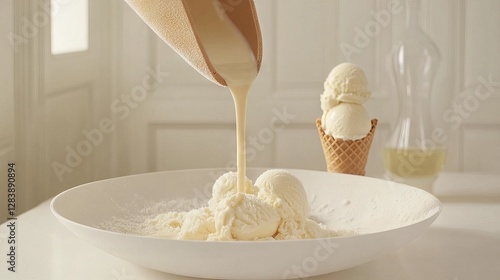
pixel 346 156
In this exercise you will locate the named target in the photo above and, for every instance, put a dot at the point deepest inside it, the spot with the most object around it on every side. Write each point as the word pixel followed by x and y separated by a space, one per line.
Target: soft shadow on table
pixel 438 254
pixel 432 256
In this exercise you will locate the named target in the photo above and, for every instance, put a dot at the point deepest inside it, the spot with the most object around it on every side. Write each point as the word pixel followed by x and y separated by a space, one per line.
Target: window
pixel 69 26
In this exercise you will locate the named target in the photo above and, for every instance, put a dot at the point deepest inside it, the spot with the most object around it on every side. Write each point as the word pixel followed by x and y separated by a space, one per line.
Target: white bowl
pixel 386 215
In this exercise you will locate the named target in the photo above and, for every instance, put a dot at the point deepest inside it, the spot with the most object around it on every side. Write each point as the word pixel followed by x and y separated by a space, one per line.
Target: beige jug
pixel 172 21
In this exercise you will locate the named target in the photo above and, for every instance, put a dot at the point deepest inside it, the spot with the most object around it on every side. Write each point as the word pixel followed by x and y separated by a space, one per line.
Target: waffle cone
pixel 346 156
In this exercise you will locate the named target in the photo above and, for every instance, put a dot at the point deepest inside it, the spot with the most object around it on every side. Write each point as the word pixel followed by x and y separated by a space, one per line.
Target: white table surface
pixel 463 243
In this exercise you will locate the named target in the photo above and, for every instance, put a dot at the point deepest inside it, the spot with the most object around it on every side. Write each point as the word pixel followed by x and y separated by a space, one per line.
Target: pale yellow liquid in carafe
pixel 232 57
pixel 414 163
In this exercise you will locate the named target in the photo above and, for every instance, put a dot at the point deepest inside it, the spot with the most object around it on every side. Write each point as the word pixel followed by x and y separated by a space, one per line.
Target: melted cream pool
pixel 232 57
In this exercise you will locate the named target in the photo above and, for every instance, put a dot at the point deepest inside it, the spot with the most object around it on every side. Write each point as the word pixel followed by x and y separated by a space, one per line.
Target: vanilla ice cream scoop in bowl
pixel 275 208
pixel 245 217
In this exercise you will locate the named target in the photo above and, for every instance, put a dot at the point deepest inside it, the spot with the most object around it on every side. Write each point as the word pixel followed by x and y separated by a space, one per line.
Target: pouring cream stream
pixel 231 55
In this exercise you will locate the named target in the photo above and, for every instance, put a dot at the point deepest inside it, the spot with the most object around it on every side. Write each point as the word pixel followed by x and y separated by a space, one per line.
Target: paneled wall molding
pixel 458 42
pixel 198 141
pixel 27 95
pixel 86 86
pixel 56 99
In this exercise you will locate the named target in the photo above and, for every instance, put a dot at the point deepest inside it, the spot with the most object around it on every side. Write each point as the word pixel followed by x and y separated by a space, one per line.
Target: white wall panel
pixel 481 149
pixel 443 19
pixel 266 11
pixel 299 147
pixel 67 115
pixel 6 75
pixel 7 124
pixel 480 97
pixel 444 24
pixel 359 31
pixel 482 43
pixel 398 19
pixel 192 146
pixel 302 31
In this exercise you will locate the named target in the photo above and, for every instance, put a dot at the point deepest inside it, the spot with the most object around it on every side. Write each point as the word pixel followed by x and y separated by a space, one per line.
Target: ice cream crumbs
pixel 275 208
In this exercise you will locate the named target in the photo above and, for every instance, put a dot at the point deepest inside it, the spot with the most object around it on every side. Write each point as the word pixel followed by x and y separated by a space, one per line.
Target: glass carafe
pixel 413 155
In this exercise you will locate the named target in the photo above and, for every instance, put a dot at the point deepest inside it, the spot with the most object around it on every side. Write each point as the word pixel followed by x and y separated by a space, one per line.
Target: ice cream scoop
pixel 287 196
pixel 276 208
pixel 245 217
pixel 346 83
pixel 284 192
pixel 343 114
pixel 225 186
pixel 347 121
pixel 198 224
